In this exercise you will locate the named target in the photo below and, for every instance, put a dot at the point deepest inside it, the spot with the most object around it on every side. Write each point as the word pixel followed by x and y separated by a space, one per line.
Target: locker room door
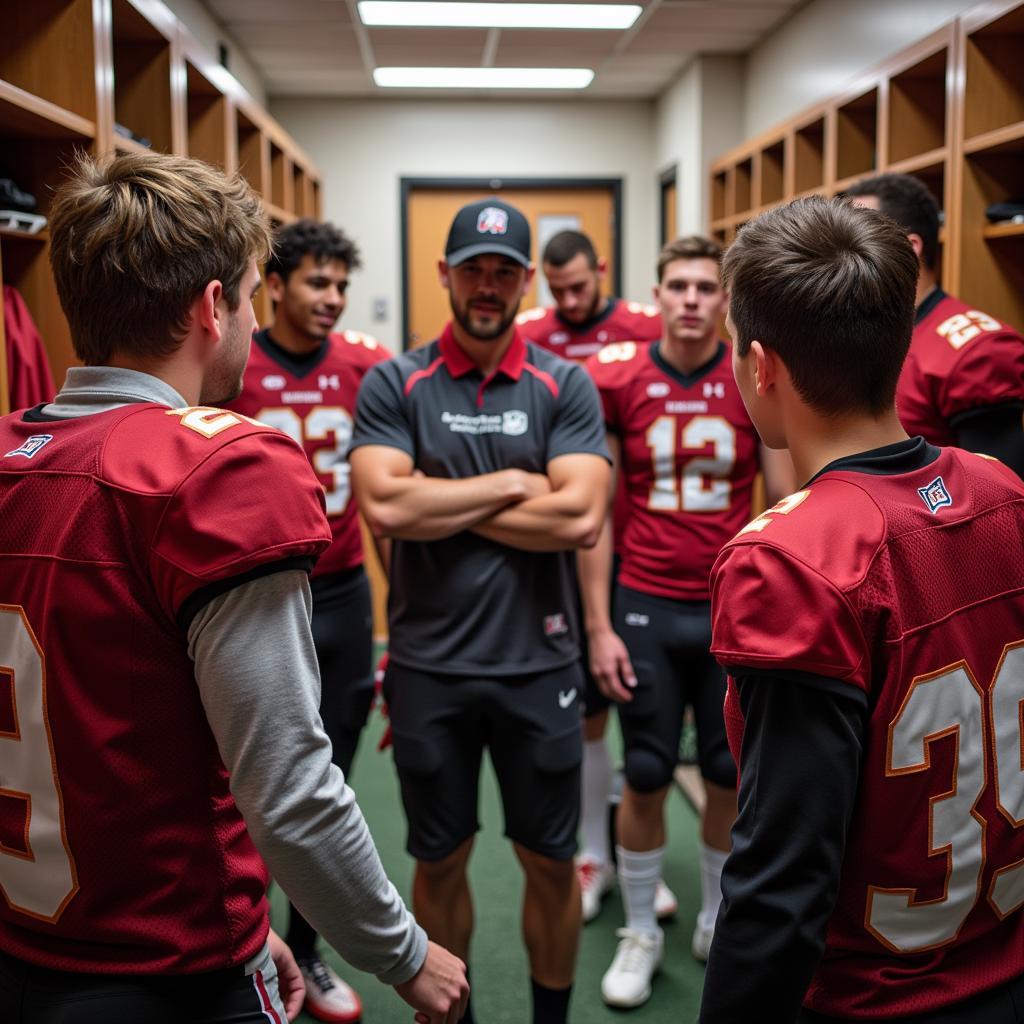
pixel 591 208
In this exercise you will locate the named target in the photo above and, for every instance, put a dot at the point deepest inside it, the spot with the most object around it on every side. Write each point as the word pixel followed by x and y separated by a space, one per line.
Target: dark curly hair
pixel 321 238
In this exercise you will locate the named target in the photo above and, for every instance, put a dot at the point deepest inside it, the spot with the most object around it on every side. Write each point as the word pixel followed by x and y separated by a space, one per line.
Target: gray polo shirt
pixel 466 605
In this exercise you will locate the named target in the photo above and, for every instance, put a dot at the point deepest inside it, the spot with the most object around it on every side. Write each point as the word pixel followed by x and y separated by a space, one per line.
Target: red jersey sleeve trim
pixel 419 375
pixel 545 378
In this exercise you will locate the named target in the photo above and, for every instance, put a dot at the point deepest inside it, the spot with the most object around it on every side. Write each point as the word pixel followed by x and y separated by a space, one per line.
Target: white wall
pixel 698 117
pixel 364 147
pixel 198 20
pixel 812 55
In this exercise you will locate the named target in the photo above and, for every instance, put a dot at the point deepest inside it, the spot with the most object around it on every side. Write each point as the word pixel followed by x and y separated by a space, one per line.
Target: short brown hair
pixel 135 239
pixel 693 247
pixel 910 203
pixel 830 287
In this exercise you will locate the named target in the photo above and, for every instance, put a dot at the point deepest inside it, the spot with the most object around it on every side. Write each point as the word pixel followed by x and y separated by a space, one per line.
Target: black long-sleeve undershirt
pixel 799 771
pixel 996 430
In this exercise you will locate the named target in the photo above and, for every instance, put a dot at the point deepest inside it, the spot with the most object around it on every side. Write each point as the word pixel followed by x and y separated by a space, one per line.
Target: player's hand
pixel 439 991
pixel 610 665
pixel 289 978
pixel 528 485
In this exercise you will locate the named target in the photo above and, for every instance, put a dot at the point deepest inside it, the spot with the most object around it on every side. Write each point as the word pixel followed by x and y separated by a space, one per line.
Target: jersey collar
pixel 459 364
pixel 928 303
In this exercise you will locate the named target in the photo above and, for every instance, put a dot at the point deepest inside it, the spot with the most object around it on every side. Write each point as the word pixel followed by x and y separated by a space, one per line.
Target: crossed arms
pixel 553 511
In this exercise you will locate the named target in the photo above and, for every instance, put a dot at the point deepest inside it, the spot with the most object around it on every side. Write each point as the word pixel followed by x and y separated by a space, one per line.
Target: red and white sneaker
pixel 665 902
pixel 328 998
pixel 596 881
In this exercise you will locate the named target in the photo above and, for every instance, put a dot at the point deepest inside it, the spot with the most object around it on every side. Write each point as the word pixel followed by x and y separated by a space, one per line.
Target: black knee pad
pixel 718 767
pixel 648 771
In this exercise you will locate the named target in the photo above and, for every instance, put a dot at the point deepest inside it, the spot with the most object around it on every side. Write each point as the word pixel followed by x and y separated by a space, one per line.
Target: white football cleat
pixel 665 902
pixel 328 998
pixel 700 944
pixel 596 881
pixel 627 982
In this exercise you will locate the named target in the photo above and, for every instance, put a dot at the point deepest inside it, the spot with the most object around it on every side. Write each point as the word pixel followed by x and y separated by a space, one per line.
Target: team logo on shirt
pixel 559 338
pixel 714 389
pixel 657 389
pixel 555 625
pixel 492 221
pixel 273 382
pixel 935 495
pixel 31 446
pixel 514 422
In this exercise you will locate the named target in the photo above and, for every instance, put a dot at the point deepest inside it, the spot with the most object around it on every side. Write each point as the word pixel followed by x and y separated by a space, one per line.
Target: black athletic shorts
pixel 669 645
pixel 1002 1005
pixel 343 638
pixel 241 995
pixel 532 726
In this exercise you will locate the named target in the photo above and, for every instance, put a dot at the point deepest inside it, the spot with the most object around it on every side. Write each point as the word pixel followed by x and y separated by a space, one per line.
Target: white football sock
pixel 597 784
pixel 711 863
pixel 638 878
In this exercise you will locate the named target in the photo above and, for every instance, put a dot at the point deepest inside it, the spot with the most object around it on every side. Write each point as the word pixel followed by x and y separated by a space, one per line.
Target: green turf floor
pixel 500 976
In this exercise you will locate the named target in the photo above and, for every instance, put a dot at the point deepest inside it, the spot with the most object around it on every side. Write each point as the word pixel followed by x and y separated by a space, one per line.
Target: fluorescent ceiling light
pixel 497 15
pixel 483 78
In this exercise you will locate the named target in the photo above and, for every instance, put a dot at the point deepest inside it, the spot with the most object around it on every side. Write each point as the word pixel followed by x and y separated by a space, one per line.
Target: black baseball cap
pixel 488 226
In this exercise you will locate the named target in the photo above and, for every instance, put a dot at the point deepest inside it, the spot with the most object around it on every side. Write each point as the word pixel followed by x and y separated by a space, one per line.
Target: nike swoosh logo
pixel 565 699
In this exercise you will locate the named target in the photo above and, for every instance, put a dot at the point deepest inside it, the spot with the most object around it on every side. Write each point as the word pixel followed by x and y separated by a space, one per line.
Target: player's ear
pixel 210 311
pixel 917 242
pixel 765 368
pixel 275 287
pixel 602 269
pixel 528 280
pixel 443 272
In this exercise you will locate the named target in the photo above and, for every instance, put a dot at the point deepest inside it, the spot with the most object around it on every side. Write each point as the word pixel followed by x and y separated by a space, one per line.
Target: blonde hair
pixel 135 239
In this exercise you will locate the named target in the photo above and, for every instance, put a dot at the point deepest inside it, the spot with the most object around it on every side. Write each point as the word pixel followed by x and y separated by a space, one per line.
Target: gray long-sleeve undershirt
pixel 257 675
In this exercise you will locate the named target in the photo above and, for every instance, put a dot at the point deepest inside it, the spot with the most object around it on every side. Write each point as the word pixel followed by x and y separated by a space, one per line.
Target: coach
pixel 484 458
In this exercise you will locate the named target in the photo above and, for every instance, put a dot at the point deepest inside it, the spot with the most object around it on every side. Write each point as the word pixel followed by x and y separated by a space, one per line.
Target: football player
pixel 963 379
pixel 687 455
pixel 159 735
pixel 583 318
pixel 872 625
pixel 580 323
pixel 302 378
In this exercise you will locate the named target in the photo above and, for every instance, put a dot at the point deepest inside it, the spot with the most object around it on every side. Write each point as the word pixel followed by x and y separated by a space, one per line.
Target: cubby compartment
pixel 744 174
pixel 206 118
pixel 281 181
pixel 809 156
pixel 992 260
pixel 48 49
pixel 718 196
pixel 142 81
pixel 773 174
pixel 994 75
pixel 856 136
pixel 253 154
pixel 917 108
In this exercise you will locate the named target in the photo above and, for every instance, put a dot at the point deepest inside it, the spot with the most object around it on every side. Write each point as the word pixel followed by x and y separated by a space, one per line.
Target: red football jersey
pixel 959 359
pixel 314 403
pixel 121 848
pixel 620 321
pixel 689 458
pixel 911 588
